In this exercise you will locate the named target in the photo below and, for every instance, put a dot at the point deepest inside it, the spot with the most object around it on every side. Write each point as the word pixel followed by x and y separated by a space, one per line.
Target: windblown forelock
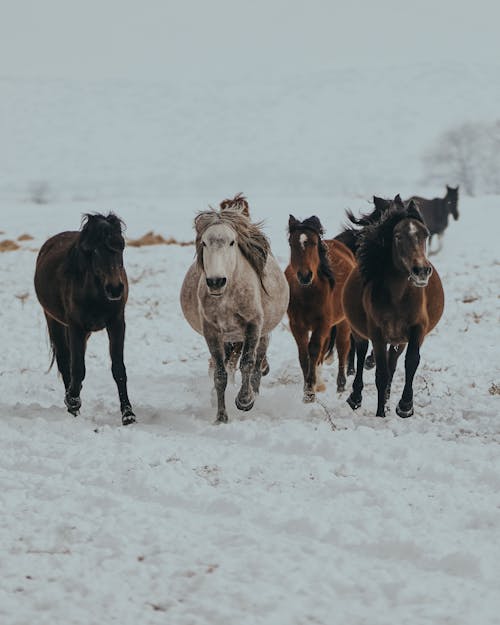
pixel 105 230
pixel 238 203
pixel 311 223
pixel 252 242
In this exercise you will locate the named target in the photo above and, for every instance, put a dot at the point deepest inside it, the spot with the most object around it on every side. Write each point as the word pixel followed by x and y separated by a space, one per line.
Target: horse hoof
pixel 369 362
pixel 222 418
pixel 403 412
pixel 353 403
pixel 309 398
pixel 128 416
pixel 340 388
pixel 351 371
pixel 244 406
pixel 73 404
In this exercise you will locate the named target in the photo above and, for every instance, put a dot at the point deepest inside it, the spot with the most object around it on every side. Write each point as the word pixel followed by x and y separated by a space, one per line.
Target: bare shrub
pixel 469 155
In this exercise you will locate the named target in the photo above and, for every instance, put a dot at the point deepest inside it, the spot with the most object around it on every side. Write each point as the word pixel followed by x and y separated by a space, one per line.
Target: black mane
pixel 314 225
pixel 375 242
pixel 351 233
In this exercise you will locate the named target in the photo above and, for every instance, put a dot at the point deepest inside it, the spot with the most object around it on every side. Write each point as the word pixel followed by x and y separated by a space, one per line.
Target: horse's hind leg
pixel 350 359
pixel 300 334
pixel 370 361
pixel 394 353
pixel 260 356
pixel 59 342
pixel 381 375
pixel 405 407
pixel 343 342
pixel 355 398
pixel 116 334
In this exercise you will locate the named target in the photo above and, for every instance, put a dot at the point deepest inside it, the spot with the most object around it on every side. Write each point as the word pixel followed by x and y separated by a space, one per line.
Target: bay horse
pixel 81 284
pixel 234 292
pixel 436 212
pixel 316 274
pixel 394 297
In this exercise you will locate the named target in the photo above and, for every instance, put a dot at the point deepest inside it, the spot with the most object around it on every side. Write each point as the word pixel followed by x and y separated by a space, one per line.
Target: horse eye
pixel 204 244
pixel 231 244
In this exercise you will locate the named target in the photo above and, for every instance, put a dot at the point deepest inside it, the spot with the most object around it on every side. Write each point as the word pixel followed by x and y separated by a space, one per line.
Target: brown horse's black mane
pixel 314 225
pixel 351 233
pixel 97 231
pixel 375 242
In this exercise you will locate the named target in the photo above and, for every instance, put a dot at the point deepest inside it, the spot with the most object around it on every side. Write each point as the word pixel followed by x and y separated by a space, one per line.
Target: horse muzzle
pixel 114 292
pixel 420 275
pixel 216 286
pixel 305 279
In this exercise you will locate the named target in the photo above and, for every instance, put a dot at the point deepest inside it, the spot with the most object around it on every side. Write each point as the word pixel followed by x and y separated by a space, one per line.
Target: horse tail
pixel 52 355
pixel 331 344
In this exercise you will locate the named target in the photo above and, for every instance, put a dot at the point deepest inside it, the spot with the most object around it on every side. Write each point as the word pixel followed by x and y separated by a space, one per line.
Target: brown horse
pixel 82 286
pixel 394 297
pixel 316 275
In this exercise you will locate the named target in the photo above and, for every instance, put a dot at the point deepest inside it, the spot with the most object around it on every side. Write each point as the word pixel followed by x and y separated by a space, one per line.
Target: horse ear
pixel 380 203
pixel 292 222
pixel 398 201
pixel 316 224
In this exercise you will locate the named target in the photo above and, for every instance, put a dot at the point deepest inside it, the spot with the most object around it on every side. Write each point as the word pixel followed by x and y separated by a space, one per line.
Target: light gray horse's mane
pixel 252 242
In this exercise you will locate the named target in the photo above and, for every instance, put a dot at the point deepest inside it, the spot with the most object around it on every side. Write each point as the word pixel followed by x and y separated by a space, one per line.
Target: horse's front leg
pixel 260 355
pixel 356 396
pixel 246 398
pixel 316 342
pixel 301 336
pixel 77 341
pixel 381 374
pixel 216 347
pixel 343 344
pixel 405 407
pixel 116 335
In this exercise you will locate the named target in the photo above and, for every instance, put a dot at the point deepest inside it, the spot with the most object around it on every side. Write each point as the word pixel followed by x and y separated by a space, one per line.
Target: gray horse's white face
pixel 220 250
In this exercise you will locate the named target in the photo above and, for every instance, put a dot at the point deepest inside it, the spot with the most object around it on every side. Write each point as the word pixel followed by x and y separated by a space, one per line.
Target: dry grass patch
pixel 25 237
pixel 150 238
pixel 7 245
pixel 494 389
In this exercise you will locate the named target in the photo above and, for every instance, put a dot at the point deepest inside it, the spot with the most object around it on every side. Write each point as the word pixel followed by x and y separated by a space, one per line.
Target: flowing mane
pixel 314 224
pixel 239 203
pixel 252 242
pixel 375 242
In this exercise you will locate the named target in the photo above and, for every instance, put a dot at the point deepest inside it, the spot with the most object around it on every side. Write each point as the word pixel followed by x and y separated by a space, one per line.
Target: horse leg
pixel 116 335
pixel 77 343
pixel 316 343
pixel 300 334
pixel 370 361
pixel 216 348
pixel 260 356
pixel 412 359
pixel 246 398
pixel 381 374
pixel 394 353
pixel 59 342
pixel 232 353
pixel 350 359
pixel 355 398
pixel 343 341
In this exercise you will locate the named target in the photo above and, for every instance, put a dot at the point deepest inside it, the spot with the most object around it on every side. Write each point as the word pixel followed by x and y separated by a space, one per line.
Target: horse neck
pixel 394 283
pixel 79 271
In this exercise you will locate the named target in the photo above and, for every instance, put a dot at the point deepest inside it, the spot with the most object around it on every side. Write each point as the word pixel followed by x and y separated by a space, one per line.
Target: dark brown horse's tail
pixel 331 343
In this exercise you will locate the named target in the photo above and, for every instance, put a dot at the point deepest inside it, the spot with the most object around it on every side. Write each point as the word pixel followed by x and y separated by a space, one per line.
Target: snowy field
pixel 276 518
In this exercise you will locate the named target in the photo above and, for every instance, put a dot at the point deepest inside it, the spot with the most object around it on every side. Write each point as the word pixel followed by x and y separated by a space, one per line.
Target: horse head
pixel 308 255
pixel 220 238
pixel 409 239
pixel 102 244
pixel 451 201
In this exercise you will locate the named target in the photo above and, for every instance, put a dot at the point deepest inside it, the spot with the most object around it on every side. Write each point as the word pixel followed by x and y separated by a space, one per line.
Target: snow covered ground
pixel 276 518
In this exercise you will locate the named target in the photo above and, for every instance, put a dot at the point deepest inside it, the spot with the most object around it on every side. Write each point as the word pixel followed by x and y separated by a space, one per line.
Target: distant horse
pixel 234 292
pixel 316 275
pixel 350 236
pixel 435 213
pixel 82 286
pixel 393 297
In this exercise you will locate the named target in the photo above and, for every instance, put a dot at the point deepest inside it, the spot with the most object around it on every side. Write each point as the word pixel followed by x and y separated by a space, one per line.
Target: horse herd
pixel 373 282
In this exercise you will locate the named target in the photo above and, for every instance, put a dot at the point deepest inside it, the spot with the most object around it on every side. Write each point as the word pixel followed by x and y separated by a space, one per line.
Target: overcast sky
pixel 162 39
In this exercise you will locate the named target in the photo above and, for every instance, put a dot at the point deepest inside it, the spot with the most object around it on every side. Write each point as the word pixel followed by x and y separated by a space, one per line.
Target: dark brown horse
pixel 394 297
pixel 316 275
pixel 82 286
pixel 435 213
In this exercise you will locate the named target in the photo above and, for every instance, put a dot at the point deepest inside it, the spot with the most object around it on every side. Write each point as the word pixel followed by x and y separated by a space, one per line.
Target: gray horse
pixel 234 292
